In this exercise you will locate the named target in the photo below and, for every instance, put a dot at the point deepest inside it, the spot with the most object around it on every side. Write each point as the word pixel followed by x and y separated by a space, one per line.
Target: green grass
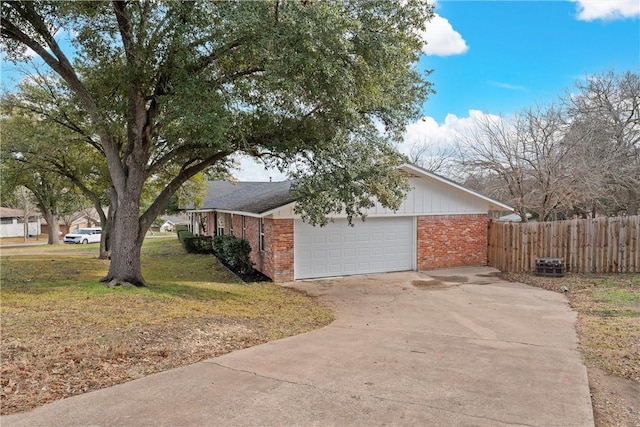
pixel 180 285
pixel 616 302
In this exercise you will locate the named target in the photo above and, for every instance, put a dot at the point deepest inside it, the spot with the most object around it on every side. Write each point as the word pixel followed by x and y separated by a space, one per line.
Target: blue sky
pixel 519 53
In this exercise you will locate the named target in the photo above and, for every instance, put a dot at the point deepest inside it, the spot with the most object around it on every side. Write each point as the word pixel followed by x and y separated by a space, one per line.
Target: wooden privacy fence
pixel 600 245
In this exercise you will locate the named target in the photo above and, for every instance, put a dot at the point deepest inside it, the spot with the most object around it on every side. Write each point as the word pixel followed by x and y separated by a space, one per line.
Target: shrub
pixel 198 244
pixel 182 234
pixel 181 227
pixel 234 253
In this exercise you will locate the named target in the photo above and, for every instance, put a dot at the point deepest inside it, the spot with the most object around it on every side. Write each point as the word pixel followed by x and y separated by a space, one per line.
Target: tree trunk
pixel 25 228
pixel 53 224
pixel 105 238
pixel 126 239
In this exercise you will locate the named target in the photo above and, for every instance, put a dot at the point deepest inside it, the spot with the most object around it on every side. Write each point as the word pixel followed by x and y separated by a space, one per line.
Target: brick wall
pixel 252 235
pixel 276 260
pixel 451 241
pixel 280 242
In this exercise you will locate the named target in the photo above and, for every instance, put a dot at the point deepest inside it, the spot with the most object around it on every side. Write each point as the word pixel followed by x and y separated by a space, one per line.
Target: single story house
pixel 12 223
pixel 169 223
pixel 440 224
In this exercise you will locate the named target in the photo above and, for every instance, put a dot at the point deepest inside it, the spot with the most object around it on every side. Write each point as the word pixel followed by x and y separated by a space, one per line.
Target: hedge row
pixel 232 251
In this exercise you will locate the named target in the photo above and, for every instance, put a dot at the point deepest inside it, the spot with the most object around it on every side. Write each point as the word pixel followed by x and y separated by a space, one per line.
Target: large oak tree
pixel 324 87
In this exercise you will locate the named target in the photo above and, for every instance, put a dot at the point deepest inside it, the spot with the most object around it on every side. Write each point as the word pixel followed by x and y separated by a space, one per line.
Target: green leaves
pixel 347 178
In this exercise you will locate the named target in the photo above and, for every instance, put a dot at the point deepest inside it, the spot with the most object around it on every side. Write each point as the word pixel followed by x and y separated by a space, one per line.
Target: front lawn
pixel 64 333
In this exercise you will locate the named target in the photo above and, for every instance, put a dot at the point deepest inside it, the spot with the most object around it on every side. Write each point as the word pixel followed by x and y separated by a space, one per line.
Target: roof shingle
pixel 250 197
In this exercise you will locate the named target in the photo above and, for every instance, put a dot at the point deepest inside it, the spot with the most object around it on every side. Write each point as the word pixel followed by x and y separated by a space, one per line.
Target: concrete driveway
pixel 447 347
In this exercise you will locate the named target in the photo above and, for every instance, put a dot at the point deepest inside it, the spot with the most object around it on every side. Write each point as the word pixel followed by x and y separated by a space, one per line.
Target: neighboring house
pixel 12 223
pixel 440 224
pixel 169 223
pixel 86 218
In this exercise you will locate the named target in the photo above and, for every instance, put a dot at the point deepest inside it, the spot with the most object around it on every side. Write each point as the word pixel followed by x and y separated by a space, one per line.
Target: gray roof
pixel 175 220
pixel 11 213
pixel 250 197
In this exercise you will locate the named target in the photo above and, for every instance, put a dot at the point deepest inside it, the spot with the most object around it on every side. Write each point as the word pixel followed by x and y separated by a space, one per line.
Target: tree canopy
pixel 320 87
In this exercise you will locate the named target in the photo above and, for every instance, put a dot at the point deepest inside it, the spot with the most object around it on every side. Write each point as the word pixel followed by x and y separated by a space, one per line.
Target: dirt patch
pixel 452 279
pixel 430 285
pixel 614 399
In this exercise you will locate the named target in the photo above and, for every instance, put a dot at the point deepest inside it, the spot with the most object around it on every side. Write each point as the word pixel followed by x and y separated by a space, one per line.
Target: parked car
pixel 84 236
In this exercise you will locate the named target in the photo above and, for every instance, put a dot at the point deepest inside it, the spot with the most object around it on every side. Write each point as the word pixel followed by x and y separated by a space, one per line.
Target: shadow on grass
pixel 194 292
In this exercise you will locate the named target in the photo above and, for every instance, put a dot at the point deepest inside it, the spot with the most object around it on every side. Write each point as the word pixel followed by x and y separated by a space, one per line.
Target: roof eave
pixel 252 214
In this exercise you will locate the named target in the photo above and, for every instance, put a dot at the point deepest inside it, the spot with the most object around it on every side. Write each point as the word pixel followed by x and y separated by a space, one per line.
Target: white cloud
pixel 442 135
pixel 508 86
pixel 589 10
pixel 441 39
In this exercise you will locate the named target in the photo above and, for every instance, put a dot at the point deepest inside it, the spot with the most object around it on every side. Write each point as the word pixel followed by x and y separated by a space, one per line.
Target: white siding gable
pixel 427 196
pixel 430 197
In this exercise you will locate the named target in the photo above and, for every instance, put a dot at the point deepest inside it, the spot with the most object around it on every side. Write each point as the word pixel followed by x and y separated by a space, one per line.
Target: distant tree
pixel 44 149
pixel 433 157
pixel 606 109
pixel 524 160
pixel 304 84
pixel 44 189
pixel 72 202
pixel 20 198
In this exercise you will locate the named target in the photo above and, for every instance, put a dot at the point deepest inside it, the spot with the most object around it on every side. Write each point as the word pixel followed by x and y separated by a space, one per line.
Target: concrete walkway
pixel 443 348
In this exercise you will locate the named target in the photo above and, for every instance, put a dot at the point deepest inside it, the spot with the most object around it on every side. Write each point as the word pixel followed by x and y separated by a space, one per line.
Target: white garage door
pixel 375 246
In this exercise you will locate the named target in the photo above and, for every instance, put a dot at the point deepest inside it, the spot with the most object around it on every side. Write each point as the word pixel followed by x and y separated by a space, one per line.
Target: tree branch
pixel 163 198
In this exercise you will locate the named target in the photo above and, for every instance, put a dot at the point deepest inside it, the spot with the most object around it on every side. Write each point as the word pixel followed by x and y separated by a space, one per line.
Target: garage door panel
pixel 374 246
pixel 377 251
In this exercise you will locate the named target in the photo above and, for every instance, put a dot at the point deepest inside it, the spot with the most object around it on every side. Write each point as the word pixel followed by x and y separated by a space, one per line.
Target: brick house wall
pixel 276 260
pixel 280 232
pixel 208 223
pixel 451 241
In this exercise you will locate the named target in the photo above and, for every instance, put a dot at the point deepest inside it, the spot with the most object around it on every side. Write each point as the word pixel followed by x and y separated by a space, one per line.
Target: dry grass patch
pixel 64 333
pixel 608 308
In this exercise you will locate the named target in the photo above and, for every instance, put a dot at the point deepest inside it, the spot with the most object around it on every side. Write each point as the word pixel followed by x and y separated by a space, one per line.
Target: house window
pixel 231 225
pixel 262 234
pixel 220 228
pixel 244 227
pixel 7 221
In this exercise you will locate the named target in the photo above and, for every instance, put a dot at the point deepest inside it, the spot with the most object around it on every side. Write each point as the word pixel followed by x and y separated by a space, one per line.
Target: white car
pixel 84 236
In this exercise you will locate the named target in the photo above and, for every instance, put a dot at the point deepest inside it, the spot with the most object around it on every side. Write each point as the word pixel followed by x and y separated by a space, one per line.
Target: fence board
pixel 600 245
